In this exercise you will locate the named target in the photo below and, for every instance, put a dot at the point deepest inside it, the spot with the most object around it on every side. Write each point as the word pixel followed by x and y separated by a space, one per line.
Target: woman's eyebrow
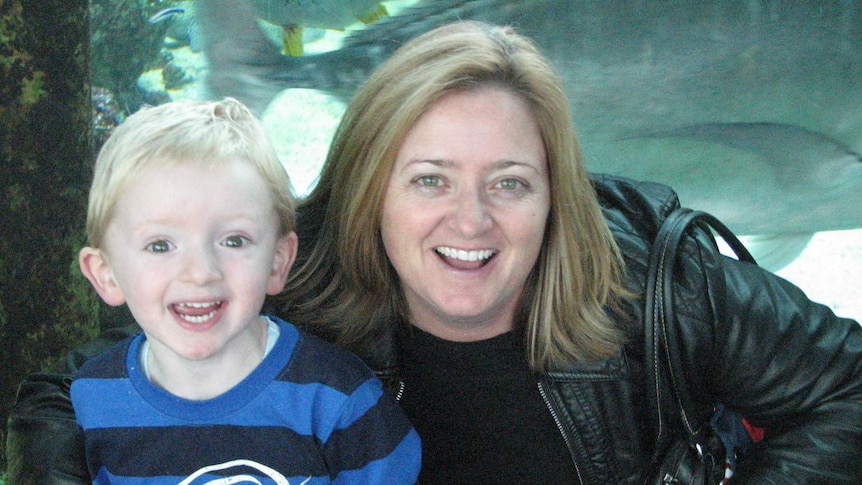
pixel 495 166
pixel 504 164
pixel 437 162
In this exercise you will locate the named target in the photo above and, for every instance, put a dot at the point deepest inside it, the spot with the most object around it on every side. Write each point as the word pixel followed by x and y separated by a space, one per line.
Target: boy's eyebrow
pixel 250 216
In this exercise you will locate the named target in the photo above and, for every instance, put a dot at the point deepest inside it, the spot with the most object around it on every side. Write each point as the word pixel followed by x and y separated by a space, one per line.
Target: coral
pixel 123 45
pixel 77 321
pixel 107 115
pixel 174 76
pixel 32 89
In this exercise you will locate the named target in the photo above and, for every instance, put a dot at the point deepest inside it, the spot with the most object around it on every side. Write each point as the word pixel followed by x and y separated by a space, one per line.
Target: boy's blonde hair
pixel 178 132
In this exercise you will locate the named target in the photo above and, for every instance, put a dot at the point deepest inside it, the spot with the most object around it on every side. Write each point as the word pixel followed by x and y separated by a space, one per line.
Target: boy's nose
pixel 200 266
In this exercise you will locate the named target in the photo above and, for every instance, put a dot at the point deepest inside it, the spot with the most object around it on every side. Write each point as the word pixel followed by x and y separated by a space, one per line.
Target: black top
pixel 478 410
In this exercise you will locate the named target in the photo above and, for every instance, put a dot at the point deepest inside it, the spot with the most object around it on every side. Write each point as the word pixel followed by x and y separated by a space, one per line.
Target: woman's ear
pixel 285 254
pixel 97 269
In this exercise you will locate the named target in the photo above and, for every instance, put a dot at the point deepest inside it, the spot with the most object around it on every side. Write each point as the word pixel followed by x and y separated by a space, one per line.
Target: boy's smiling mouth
pixel 197 312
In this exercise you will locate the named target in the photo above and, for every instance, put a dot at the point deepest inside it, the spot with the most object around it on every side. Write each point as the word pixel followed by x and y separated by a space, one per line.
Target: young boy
pixel 191 224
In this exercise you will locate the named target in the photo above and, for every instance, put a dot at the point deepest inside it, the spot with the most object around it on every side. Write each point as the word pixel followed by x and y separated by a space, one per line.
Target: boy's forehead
pixel 229 188
pixel 232 168
pixel 163 164
pixel 238 176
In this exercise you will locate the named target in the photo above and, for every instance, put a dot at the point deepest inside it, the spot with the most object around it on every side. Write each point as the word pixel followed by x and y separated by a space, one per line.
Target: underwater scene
pixel 750 109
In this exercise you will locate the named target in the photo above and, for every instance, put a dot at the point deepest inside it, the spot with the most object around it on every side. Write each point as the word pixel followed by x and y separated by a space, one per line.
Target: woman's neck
pixel 464 330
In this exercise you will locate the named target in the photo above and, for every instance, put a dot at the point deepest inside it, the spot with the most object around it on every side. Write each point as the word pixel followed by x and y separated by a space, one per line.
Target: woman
pixel 459 247
pixel 455 242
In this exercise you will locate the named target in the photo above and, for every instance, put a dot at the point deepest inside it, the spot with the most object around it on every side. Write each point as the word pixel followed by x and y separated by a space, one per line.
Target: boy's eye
pixel 160 246
pixel 235 241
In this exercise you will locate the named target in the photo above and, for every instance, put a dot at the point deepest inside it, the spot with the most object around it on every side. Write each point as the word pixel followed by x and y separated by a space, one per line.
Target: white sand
pixel 830 271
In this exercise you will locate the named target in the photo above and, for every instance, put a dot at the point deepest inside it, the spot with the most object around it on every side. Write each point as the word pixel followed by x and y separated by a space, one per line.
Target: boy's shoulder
pixel 315 360
pixel 109 363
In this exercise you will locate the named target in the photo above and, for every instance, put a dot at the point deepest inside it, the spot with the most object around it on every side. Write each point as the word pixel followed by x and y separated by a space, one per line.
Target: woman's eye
pixel 160 246
pixel 235 241
pixel 511 184
pixel 429 180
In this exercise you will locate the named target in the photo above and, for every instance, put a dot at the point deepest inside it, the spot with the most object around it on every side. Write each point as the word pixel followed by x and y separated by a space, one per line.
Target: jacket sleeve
pixel 44 445
pixel 786 363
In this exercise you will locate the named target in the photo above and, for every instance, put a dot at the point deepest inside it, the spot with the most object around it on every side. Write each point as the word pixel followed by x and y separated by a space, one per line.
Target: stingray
pixel 798 157
pixel 804 165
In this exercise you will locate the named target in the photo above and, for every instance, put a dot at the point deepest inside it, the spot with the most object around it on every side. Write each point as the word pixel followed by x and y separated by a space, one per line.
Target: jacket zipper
pixel 400 393
pixel 560 427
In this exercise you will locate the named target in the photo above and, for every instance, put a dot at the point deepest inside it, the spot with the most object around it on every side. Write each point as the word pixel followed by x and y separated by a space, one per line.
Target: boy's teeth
pixel 199 305
pixel 194 312
pixel 465 255
pixel 198 318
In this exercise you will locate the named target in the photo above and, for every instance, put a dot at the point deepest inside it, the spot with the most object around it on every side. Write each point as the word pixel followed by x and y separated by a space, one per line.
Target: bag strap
pixel 660 330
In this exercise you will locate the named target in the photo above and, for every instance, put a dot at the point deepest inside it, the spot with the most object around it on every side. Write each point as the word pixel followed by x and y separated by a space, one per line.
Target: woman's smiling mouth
pixel 463 259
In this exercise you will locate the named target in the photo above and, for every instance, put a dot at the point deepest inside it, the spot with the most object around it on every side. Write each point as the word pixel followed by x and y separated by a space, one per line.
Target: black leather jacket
pixel 749 340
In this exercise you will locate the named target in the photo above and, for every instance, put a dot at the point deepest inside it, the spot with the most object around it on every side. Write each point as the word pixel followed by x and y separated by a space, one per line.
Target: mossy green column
pixel 46 307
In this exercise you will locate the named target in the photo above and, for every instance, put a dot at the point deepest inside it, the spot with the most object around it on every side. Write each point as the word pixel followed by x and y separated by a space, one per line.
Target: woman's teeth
pixel 463 255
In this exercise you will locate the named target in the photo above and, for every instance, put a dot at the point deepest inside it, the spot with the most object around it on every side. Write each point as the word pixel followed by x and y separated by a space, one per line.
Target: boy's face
pixel 193 249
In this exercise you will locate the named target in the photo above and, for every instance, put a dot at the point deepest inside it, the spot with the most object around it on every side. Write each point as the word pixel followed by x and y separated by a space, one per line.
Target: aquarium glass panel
pixel 750 109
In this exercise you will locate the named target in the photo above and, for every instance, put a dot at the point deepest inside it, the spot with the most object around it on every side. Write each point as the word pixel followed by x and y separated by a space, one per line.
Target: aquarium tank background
pixel 750 109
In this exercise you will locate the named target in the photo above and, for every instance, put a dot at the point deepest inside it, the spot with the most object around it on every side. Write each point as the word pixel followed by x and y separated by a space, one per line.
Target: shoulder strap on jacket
pixel 660 331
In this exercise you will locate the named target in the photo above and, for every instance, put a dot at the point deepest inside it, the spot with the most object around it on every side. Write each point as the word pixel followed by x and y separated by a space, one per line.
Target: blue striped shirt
pixel 309 413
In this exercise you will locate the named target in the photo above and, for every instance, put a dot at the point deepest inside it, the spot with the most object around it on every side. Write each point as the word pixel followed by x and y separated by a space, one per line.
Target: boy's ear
pixel 285 254
pixel 96 268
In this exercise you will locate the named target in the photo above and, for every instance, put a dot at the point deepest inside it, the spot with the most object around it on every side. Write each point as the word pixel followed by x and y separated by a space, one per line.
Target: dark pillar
pixel 46 307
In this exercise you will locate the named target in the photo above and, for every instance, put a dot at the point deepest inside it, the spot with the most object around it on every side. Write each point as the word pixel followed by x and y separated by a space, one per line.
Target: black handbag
pixel 699 456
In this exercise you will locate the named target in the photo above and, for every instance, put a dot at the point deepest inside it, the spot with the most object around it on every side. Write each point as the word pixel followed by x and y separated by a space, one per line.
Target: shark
pixel 750 110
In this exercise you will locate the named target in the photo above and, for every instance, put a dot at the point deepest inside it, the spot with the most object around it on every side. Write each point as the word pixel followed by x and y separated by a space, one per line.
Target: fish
pixel 183 28
pixel 296 15
pixel 321 14
pixel 290 18
pixel 244 63
pixel 165 14
pixel 750 110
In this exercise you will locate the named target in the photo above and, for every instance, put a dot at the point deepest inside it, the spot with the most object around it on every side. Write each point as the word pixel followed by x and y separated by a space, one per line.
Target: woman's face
pixel 465 211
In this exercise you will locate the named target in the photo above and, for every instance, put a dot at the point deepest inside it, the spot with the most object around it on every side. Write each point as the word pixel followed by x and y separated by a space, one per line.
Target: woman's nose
pixel 471 215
